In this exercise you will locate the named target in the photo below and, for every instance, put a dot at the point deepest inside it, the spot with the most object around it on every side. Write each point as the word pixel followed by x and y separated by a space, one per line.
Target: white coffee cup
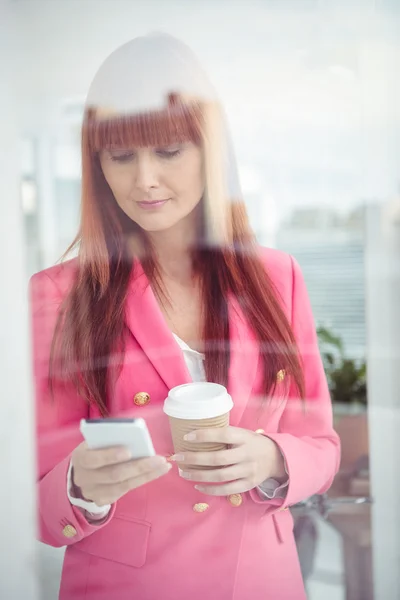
pixel 194 406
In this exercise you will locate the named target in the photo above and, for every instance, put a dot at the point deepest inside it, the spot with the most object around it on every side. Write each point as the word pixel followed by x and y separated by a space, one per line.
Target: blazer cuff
pixel 56 512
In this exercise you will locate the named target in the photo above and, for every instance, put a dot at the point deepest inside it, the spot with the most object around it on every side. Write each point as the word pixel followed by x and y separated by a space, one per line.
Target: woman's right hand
pixel 103 476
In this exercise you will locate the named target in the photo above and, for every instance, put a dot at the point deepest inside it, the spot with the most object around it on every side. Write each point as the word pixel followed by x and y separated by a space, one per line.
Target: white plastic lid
pixel 202 400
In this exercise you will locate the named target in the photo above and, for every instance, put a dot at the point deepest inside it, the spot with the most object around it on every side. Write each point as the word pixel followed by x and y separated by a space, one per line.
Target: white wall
pixel 17 555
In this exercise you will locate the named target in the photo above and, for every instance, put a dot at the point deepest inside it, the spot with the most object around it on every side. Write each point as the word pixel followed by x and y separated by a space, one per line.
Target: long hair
pixel 226 259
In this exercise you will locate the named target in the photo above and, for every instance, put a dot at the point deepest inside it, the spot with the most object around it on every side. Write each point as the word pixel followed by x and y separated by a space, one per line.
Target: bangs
pixel 178 123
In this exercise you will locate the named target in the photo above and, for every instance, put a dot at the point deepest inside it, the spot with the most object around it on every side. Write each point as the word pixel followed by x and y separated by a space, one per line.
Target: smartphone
pixel 131 433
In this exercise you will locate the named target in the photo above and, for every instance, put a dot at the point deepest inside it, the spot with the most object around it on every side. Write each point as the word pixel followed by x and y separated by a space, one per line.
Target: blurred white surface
pixel 17 556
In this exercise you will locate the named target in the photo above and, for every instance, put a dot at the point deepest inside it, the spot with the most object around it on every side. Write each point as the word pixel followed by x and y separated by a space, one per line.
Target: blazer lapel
pixel 148 326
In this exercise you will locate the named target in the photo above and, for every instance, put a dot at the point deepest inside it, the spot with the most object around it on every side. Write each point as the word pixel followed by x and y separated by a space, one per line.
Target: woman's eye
pixel 168 152
pixel 122 158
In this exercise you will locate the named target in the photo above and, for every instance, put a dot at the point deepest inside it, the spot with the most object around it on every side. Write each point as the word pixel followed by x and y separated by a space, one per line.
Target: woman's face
pixel 155 187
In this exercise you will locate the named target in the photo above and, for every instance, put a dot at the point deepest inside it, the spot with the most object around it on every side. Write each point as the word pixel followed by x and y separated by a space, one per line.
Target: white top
pixel 194 360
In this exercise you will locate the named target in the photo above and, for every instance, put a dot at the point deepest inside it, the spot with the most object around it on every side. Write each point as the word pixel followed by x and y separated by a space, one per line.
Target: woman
pixel 170 286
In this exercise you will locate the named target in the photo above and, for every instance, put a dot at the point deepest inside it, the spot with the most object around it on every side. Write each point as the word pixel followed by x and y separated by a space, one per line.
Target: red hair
pixel 91 324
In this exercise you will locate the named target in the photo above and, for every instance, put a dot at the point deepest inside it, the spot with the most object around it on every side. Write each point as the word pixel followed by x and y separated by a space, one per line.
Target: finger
pixel 108 494
pixel 235 487
pixel 95 459
pixel 219 458
pixel 118 473
pixel 239 471
pixel 223 435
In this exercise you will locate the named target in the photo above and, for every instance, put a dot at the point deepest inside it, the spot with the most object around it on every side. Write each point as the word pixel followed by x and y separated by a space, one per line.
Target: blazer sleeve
pixel 306 437
pixel 57 426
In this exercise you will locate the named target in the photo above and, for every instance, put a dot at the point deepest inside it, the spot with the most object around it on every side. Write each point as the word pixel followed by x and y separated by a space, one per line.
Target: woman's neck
pixel 174 258
pixel 173 249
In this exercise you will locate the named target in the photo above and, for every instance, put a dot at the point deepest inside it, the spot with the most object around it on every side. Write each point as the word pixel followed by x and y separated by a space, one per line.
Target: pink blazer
pixel 154 543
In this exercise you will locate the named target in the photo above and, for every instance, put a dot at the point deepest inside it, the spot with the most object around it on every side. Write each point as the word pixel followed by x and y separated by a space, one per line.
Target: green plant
pixel 347 378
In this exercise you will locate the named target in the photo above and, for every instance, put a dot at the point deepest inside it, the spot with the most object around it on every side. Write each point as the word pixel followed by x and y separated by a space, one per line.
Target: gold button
pixel 69 531
pixel 280 376
pixel 201 507
pixel 261 431
pixel 284 508
pixel 235 499
pixel 141 399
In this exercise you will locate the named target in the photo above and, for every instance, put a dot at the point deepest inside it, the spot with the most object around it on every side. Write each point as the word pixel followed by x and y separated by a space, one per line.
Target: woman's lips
pixel 152 204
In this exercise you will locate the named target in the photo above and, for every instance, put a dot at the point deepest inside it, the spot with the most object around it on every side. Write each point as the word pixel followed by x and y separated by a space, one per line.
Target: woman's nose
pixel 146 175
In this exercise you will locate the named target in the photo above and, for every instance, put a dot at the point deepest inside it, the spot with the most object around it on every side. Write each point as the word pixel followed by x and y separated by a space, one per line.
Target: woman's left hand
pixel 249 460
